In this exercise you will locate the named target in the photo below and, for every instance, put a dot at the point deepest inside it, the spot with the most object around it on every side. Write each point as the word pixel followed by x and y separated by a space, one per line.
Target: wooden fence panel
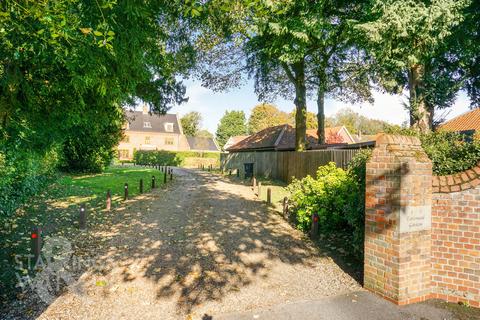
pixel 285 165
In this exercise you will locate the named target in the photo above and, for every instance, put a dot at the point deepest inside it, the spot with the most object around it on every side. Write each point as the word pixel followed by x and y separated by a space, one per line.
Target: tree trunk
pixel 301 106
pixel 421 116
pixel 321 114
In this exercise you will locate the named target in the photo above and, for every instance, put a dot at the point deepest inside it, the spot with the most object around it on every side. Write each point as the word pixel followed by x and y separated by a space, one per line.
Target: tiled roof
pixel 280 137
pixel 136 120
pixel 236 139
pixel 467 121
pixel 333 131
pixel 202 144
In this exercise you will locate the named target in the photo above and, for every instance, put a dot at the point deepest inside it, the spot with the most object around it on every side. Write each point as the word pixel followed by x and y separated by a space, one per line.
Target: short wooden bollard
pixel 254 183
pixel 82 217
pixel 285 207
pixel 259 189
pixel 36 238
pixel 269 196
pixel 230 172
pixel 314 230
pixel 165 178
pixel 109 200
pixel 153 182
pixel 238 173
pixel 141 186
pixel 171 175
pixel 125 196
pixel 209 168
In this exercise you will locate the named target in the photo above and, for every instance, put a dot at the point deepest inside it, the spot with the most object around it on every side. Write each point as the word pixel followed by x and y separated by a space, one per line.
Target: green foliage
pixel 204 134
pixel 191 123
pixel 67 67
pixel 338 198
pixel 356 123
pixel 266 115
pixel 406 38
pixel 23 173
pixel 170 158
pixel 232 123
pixel 450 152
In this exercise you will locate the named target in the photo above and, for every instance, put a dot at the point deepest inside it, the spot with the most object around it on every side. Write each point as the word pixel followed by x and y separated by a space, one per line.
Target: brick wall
pixel 422 232
pixel 456 237
pixel 397 231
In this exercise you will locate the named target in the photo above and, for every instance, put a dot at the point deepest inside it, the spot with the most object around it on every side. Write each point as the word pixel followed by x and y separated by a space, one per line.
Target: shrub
pixel 338 196
pixel 450 152
pixel 171 158
pixel 23 174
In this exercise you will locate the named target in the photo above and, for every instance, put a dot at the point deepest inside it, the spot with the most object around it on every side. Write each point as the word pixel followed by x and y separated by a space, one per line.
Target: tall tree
pixel 310 121
pixel 405 38
pixel 57 57
pixel 357 123
pixel 233 123
pixel 266 115
pixel 191 123
pixel 306 48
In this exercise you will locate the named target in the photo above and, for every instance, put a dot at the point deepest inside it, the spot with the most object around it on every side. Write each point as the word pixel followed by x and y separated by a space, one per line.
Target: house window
pixel 169 127
pixel 147 124
pixel 122 154
pixel 147 140
pixel 169 141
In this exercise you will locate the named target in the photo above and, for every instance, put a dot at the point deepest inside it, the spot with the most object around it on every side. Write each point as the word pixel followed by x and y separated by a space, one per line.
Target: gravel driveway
pixel 202 246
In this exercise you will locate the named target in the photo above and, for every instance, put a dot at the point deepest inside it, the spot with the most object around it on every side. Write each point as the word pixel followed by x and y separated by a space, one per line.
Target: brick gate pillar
pixel 398 220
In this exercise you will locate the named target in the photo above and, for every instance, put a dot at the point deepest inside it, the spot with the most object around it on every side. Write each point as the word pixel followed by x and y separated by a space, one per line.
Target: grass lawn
pixel 56 212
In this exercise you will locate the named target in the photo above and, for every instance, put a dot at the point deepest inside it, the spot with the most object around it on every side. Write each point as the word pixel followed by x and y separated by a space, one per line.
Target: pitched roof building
pixel 202 144
pixel 469 121
pixel 282 138
pixel 334 135
pixel 233 140
pixel 148 131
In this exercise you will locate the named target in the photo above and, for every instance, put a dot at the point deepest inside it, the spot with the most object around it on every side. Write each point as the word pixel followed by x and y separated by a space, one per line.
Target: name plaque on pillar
pixel 415 219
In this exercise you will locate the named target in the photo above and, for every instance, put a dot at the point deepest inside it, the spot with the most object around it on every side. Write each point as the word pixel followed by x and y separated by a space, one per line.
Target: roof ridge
pixel 460 115
pixel 280 136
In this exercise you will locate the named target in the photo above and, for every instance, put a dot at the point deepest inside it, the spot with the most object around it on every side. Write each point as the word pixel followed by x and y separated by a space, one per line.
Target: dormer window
pixel 169 127
pixel 147 124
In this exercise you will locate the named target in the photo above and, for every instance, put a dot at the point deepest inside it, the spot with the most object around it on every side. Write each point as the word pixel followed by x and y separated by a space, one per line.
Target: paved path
pixel 204 248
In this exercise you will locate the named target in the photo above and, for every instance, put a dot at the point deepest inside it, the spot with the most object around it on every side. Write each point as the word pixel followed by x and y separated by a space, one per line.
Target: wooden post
pixel 269 196
pixel 36 238
pixel 125 196
pixel 230 172
pixel 209 168
pixel 171 175
pixel 82 217
pixel 285 207
pixel 153 182
pixel 238 173
pixel 109 200
pixel 254 183
pixel 141 185
pixel 314 230
pixel 259 189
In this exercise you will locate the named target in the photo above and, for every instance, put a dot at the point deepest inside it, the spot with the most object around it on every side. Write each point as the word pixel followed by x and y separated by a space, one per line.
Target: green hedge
pixel 450 152
pixel 23 174
pixel 170 158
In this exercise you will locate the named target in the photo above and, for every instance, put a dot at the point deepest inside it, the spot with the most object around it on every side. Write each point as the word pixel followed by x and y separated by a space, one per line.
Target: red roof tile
pixel 467 121
pixel 280 137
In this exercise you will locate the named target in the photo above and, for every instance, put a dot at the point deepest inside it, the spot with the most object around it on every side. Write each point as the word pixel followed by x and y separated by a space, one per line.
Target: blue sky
pixel 213 105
